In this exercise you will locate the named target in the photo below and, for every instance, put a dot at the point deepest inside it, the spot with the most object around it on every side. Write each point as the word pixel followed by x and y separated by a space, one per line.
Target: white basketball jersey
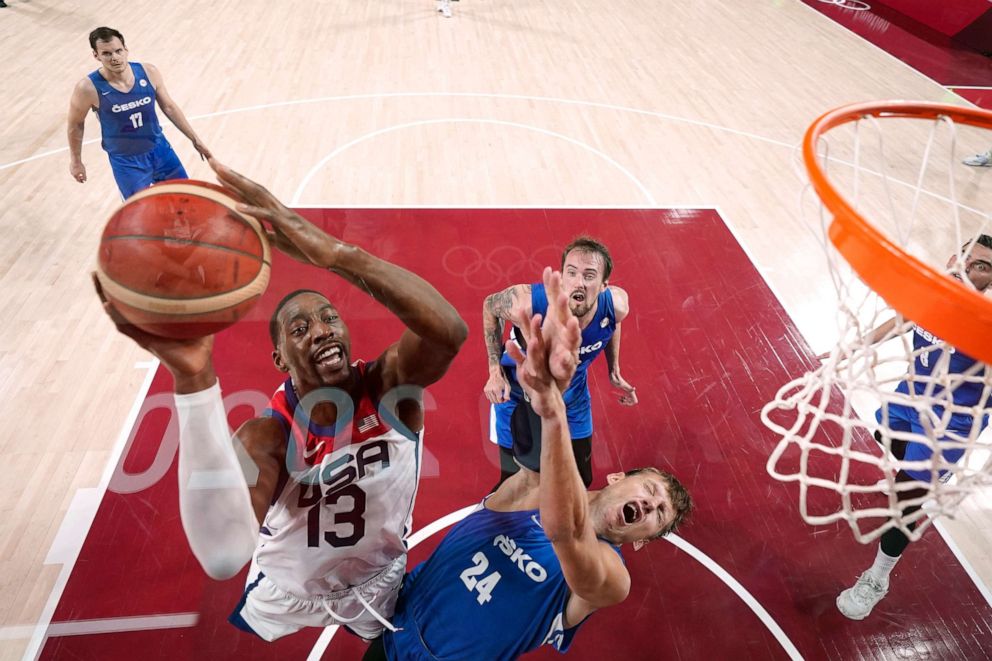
pixel 345 511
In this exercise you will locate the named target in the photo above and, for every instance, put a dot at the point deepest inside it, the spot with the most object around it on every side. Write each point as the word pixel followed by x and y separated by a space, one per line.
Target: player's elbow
pixel 604 598
pixel 598 591
pixel 459 333
pixel 450 340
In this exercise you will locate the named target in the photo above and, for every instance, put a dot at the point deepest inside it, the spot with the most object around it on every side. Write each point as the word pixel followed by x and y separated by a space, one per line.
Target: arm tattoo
pixel 501 303
pixel 494 342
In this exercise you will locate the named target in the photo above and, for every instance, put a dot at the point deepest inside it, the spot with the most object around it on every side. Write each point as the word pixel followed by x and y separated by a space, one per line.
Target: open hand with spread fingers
pixel 291 233
pixel 552 350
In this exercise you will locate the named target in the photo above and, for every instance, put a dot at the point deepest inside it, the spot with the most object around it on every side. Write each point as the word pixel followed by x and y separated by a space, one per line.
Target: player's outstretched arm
pixel 513 305
pixel 435 331
pixel 878 334
pixel 621 307
pixel 83 98
pixel 592 570
pixel 172 110
pixel 214 501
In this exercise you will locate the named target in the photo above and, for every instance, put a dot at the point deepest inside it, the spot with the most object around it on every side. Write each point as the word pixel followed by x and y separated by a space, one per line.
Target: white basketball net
pixel 826 418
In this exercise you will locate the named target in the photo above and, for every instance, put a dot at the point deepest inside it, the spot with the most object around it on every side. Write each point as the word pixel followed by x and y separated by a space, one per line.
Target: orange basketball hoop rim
pixel 945 307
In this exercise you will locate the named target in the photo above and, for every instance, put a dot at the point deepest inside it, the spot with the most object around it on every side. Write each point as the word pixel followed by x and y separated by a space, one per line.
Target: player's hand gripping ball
pixel 178 260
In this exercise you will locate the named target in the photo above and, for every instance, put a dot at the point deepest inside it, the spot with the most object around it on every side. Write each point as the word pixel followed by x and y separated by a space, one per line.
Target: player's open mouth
pixel 578 296
pixel 631 513
pixel 330 356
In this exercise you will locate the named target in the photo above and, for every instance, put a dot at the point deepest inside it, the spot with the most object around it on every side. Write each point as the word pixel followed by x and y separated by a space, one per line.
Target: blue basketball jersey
pixel 128 122
pixel 595 337
pixel 493 589
pixel 966 394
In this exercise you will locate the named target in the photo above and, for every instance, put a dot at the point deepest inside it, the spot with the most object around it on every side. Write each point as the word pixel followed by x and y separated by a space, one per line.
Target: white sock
pixel 883 566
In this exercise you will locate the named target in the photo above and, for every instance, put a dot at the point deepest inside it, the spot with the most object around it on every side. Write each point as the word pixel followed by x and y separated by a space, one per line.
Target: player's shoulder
pixel 85 86
pixel 151 71
pixel 621 302
pixel 265 433
pixel 374 377
pixel 513 303
pixel 521 288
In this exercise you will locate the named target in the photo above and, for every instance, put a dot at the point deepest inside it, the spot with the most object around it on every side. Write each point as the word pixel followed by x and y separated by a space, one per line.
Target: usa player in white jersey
pixel 336 455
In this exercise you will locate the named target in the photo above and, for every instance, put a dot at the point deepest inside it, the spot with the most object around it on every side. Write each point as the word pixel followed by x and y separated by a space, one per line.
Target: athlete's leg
pixel 525 428
pixel 525 425
pixel 858 601
pixel 502 433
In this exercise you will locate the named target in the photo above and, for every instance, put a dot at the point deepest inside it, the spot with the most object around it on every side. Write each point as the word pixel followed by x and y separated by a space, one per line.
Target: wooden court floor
pixel 354 104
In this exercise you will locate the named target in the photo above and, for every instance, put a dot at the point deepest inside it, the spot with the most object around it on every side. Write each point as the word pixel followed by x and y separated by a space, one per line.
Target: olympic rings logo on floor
pixel 503 266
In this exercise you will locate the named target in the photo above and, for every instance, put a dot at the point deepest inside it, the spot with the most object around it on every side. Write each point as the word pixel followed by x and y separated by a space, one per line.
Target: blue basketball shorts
pixel 139 171
pixel 906 419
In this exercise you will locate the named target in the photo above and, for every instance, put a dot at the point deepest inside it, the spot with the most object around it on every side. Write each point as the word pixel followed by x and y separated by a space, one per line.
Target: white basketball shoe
pixel 979 160
pixel 444 6
pixel 856 602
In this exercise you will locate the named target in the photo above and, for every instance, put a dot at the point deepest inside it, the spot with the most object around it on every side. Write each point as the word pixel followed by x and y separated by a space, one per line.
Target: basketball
pixel 178 260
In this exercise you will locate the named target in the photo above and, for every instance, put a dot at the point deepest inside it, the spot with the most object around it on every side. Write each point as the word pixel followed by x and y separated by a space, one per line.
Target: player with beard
pixel 336 454
pixel 600 308
pixel 541 554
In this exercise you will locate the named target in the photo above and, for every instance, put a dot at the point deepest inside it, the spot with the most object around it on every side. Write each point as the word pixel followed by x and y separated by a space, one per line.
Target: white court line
pixel 51 152
pixel 740 591
pixel 876 47
pixel 388 95
pixel 707 562
pixel 522 97
pixel 466 120
pixel 122 624
pixel 969 87
pixel 41 628
pixel 107 625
